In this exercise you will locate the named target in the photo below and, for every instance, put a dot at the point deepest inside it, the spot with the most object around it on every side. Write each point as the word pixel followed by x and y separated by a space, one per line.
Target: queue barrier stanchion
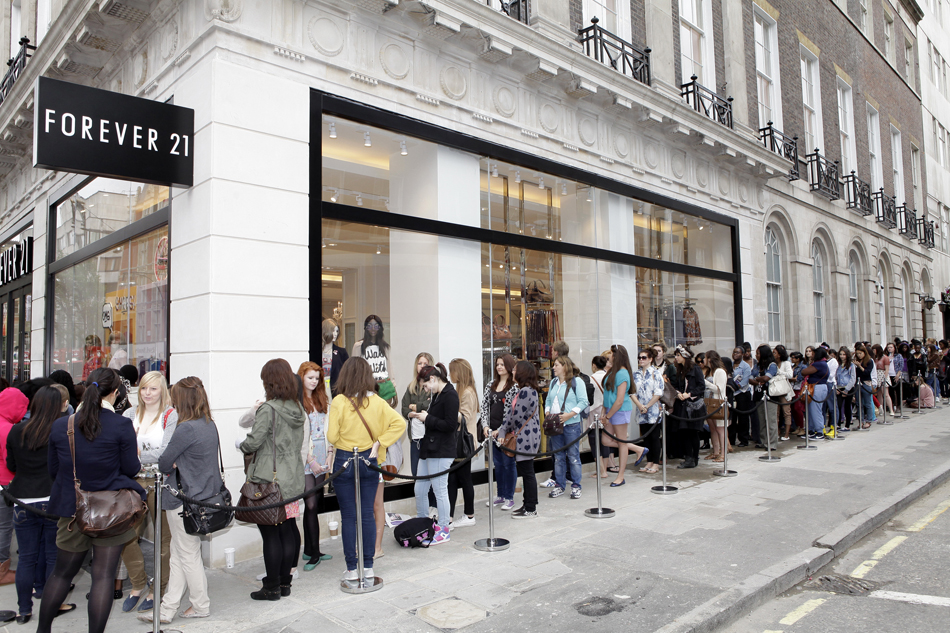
pixel 664 489
pixel 491 544
pixel 362 584
pixel 900 388
pixel 768 433
pixel 157 557
pixel 808 398
pixel 600 512
pixel 837 416
pixel 725 472
pixel 884 396
pixel 919 382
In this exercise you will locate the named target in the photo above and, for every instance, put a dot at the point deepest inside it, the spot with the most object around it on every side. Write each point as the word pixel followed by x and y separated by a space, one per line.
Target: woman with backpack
pixel 567 400
pixel 438 448
pixel 619 407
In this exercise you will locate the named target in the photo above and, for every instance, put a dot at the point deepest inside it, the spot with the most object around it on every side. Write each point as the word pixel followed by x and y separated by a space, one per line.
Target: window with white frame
pixel 874 148
pixel 767 69
pixel 853 297
pixel 846 127
pixel 943 78
pixel 696 42
pixel 888 36
pixel 811 101
pixel 881 304
pixel 946 229
pixel 897 165
pixel 818 290
pixel 864 17
pixel 15 27
pixel 773 284
pixel 915 176
pixel 44 15
pixel 941 154
pixel 613 15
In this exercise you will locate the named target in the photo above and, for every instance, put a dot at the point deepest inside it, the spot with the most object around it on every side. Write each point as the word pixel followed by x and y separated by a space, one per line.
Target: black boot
pixel 270 590
pixel 285 585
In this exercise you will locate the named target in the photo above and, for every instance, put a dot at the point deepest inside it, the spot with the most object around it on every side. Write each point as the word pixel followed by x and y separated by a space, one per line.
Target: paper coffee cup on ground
pixel 229 557
pixel 334 529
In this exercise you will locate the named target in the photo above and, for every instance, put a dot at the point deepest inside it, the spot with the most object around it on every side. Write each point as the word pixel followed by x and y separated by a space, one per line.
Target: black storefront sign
pixel 101 133
pixel 16 261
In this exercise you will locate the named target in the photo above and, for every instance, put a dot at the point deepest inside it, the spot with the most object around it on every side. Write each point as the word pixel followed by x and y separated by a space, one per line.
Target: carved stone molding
pixel 169 40
pixel 548 118
pixel 326 36
pixel 224 10
pixel 587 130
pixel 395 61
pixel 453 82
pixel 505 101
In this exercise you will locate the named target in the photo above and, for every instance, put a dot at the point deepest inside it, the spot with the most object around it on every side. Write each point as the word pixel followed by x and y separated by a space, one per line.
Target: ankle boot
pixel 270 590
pixel 285 582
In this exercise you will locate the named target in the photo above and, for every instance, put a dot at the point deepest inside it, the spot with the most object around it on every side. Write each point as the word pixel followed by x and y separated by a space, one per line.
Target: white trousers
pixel 187 568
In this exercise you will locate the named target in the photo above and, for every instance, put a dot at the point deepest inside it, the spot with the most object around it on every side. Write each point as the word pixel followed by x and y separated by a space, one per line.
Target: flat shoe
pixel 613 469
pixel 130 602
pixel 311 565
pixel 23 618
pixel 66 608
pixel 645 452
pixel 146 605
pixel 328 557
pixel 614 484
pixel 193 614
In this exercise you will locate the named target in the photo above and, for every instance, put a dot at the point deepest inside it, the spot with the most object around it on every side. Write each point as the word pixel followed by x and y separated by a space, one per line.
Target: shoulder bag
pixel 465 443
pixel 552 421
pixel 714 407
pixel 389 468
pixel 779 386
pixel 255 494
pixel 668 399
pixel 201 520
pixel 510 445
pixel 102 513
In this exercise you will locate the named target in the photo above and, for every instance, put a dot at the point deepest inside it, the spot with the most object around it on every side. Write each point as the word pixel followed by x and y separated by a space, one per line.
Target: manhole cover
pixel 451 614
pixel 845 585
pixel 598 606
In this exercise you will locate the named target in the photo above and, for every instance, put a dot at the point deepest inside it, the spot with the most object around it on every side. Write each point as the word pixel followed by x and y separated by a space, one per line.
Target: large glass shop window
pixel 112 309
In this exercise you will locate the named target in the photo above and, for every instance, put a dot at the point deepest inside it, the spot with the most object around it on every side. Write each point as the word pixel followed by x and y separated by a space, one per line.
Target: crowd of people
pixel 309 422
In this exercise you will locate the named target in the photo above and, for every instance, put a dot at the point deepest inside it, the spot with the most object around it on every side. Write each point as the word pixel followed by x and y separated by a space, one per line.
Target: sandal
pixel 613 469
pixel 866 425
pixel 653 470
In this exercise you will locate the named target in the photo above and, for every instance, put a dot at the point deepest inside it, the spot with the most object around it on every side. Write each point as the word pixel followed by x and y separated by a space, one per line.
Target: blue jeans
pixel 345 486
pixel 6 531
pixel 506 473
pixel 816 421
pixel 571 458
pixel 35 537
pixel 934 383
pixel 867 403
pixel 440 485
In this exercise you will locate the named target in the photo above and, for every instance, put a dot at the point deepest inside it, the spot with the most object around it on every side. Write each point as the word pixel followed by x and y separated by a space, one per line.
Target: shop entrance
pixel 16 310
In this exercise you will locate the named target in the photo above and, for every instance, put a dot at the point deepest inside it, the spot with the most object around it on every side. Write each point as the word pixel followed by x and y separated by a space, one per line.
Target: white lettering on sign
pixel 121 133
pixel 49 118
pixel 103 130
pixel 377 362
pixel 137 137
pixel 72 124
pixel 16 261
pixel 152 137
pixel 86 127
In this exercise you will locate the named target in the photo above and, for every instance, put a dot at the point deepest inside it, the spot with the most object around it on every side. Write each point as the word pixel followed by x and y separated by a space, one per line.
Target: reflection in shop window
pixel 112 309
pixel 101 208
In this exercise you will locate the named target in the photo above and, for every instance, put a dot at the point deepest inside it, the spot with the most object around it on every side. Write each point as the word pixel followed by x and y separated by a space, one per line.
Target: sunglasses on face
pixel 644 357
pixel 373 326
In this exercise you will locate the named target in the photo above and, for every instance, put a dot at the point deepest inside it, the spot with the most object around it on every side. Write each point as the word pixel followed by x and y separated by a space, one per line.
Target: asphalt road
pixel 895 580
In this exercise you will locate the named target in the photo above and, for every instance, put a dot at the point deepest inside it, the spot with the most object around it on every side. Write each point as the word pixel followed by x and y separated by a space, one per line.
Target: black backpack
pixel 417 532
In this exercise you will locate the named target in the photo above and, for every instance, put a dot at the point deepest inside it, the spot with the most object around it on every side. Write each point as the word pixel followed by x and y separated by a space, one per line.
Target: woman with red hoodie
pixel 13 405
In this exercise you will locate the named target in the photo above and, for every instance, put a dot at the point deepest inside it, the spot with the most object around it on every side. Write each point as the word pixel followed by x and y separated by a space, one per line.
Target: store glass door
pixel 17 316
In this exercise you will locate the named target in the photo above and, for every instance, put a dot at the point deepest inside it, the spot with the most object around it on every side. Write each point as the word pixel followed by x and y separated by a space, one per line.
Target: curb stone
pixel 755 590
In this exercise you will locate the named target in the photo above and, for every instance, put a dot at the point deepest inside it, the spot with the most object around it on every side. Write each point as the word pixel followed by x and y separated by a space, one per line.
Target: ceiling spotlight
pixel 590 194
pixel 541 182
pixel 517 175
pixel 402 148
pixel 386 202
pixel 335 196
pixel 359 200
pixel 366 140
pixel 563 188
pixel 377 249
pixel 494 171
pixel 332 129
pixel 323 243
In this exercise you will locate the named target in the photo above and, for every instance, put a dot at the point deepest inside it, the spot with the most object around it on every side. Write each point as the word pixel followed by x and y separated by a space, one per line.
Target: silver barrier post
pixel 885 394
pixel 918 393
pixel 900 388
pixel 664 489
pixel 808 398
pixel 768 432
pixel 837 416
pixel 860 392
pixel 363 585
pixel 725 472
pixel 491 544
pixel 157 558
pixel 600 512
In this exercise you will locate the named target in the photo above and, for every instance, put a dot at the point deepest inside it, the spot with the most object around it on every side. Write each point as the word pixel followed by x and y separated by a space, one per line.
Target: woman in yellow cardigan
pixel 359 418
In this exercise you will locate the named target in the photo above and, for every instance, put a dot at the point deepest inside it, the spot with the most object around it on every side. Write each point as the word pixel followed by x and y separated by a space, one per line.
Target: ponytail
pixel 437 370
pixel 100 383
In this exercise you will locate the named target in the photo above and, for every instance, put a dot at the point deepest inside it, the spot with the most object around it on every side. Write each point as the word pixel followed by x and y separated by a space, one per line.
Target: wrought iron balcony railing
pixel 17 64
pixel 907 222
pixel 707 102
pixel 516 9
pixel 785 147
pixel 885 209
pixel 925 230
pixel 857 194
pixel 617 53
pixel 823 175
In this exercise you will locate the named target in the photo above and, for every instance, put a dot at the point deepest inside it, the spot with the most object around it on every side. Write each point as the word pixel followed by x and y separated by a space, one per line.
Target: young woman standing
pixel 646 397
pixel 496 402
pixel 690 386
pixel 523 419
pixel 845 381
pixel 416 399
pixel 567 398
pixel 882 364
pixel 715 375
pixel 864 369
pixel 460 372
pixel 317 459
pixel 619 408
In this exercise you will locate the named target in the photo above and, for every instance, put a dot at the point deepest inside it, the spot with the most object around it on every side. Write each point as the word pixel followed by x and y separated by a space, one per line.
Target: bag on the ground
pixel 417 532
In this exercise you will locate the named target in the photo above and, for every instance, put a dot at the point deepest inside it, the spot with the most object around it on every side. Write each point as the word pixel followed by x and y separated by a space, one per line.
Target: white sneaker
pixel 463 521
pixel 550 483
pixel 509 504
pixel 368 572
pixel 351 575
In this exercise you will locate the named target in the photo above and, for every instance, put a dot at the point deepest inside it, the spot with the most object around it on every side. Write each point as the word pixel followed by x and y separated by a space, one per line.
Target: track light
pixel 323 243
pixel 517 175
pixel 563 188
pixel 366 140
pixel 377 249
pixel 332 129
pixel 359 200
pixel 541 182
pixel 494 171
pixel 590 195
pixel 402 148
pixel 335 196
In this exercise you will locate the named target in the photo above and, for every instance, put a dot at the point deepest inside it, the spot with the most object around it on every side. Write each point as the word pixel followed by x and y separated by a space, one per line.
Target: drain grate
pixel 845 585
pixel 598 606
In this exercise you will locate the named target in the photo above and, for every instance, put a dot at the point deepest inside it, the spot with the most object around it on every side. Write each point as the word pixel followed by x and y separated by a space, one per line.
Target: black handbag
pixel 201 520
pixel 465 446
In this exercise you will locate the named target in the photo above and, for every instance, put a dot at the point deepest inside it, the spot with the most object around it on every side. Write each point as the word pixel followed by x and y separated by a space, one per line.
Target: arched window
pixel 773 284
pixel 853 298
pixel 818 291
pixel 905 302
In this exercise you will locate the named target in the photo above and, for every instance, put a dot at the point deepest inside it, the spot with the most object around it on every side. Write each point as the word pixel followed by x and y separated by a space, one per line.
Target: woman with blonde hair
pixel 317 457
pixel 460 372
pixel 154 420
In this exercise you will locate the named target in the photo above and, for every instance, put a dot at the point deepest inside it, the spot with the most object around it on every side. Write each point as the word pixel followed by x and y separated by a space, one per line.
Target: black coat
pixel 339 356
pixel 442 424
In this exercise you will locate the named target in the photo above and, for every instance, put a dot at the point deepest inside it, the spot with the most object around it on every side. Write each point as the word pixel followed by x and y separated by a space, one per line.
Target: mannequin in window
pixel 374 348
pixel 333 355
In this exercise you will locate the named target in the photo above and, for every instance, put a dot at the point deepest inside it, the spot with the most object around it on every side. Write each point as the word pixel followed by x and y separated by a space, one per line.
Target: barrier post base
pixel 366 585
pixel 599 513
pixel 664 490
pixel 492 544
pixel 810 447
pixel 769 458
pixel 725 473
pixel 888 423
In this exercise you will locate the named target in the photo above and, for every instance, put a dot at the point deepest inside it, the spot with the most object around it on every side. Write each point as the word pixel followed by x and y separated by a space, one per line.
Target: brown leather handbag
pixel 254 494
pixel 102 513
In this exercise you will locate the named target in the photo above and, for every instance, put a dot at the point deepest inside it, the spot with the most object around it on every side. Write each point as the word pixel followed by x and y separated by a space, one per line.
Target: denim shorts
pixel 620 417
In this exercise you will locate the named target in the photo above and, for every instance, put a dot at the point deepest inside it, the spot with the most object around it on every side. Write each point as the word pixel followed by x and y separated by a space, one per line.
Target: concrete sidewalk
pixel 686 562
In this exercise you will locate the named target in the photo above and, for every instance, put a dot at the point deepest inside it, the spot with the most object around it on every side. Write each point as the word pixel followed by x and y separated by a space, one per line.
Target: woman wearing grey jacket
pixel 187 463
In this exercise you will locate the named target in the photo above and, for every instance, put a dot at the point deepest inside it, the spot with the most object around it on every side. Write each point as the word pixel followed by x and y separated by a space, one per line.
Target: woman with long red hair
pixel 318 456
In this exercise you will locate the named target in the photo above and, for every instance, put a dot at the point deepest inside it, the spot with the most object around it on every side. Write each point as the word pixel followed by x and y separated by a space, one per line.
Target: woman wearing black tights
pixel 690 385
pixel 278 426
pixel 106 459
pixel 318 458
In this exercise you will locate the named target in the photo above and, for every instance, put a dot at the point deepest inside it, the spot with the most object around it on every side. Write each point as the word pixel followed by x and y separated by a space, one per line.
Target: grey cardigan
pixel 194 449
